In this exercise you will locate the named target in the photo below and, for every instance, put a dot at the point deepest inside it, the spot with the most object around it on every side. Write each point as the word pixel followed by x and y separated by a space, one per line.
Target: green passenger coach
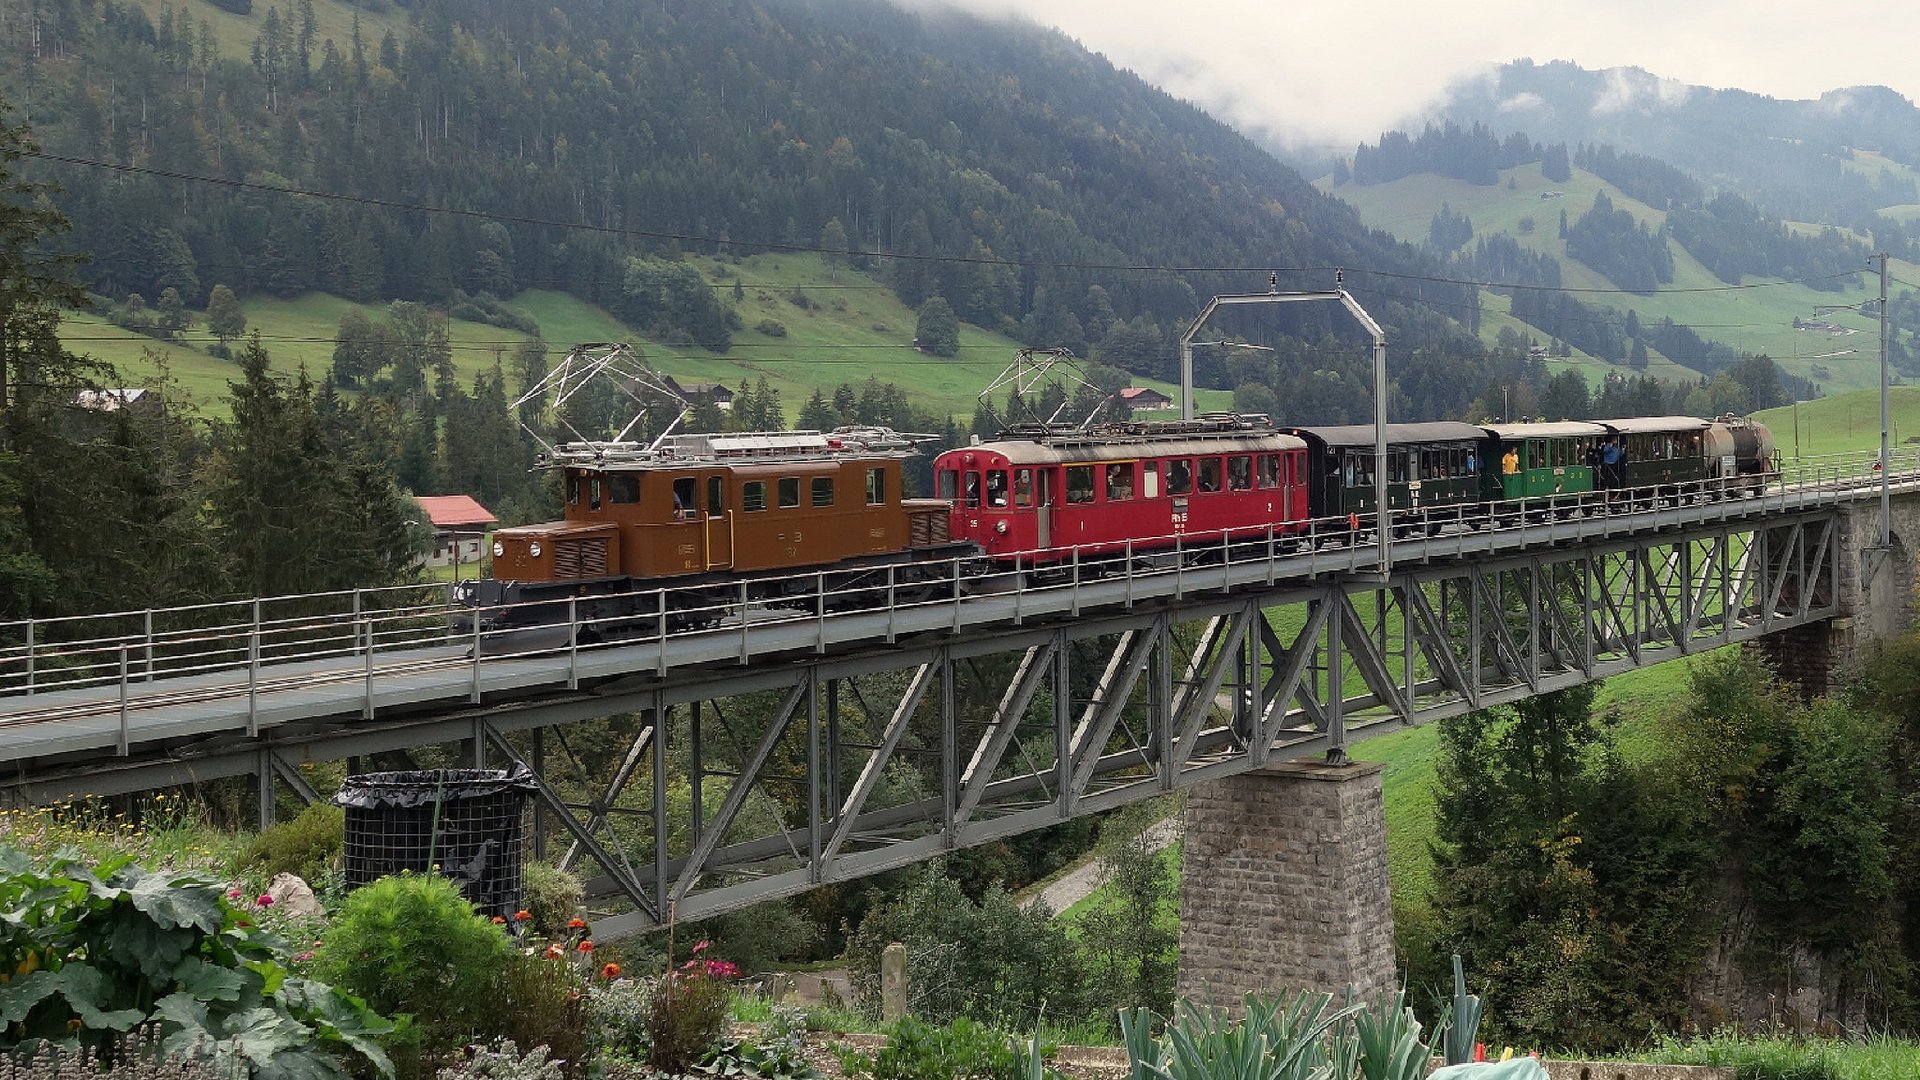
pixel 1540 460
pixel 1429 467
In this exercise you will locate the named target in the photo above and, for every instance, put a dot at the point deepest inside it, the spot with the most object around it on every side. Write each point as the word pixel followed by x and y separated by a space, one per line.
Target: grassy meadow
pixel 834 326
pixel 1756 319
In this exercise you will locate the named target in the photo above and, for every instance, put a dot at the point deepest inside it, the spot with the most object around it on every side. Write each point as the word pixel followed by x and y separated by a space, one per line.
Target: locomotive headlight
pixel 499 549
pixel 533 549
pixel 1000 527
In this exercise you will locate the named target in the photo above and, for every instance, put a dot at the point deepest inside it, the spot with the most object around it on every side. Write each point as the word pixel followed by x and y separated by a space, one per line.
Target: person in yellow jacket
pixel 1510 462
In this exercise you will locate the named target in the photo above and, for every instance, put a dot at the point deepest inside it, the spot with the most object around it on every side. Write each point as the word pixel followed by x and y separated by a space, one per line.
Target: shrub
pixel 687 1011
pixel 135 1056
pixel 411 944
pixel 309 845
pixel 617 1015
pixel 552 896
pixel 771 327
pixel 502 1060
pixel 540 1000
pixel 916 1050
pixel 95 954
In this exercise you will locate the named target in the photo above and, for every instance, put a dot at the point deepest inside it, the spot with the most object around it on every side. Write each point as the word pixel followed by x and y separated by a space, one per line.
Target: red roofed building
pixel 460 527
pixel 1144 399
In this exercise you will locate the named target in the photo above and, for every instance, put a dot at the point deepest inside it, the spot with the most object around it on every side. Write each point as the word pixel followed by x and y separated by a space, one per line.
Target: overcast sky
pixel 1334 74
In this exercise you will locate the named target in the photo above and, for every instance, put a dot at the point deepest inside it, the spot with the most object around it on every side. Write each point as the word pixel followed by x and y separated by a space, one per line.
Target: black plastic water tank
pixel 464 823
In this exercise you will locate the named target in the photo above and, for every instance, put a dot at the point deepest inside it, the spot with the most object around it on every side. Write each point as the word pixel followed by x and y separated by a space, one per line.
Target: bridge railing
pixel 247 647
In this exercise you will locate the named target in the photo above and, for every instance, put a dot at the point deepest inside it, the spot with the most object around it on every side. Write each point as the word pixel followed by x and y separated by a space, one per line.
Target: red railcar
pixel 1040 494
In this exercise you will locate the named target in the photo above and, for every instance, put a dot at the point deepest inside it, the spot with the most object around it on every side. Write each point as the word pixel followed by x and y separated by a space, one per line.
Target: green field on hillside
pixel 839 327
pixel 234 34
pixel 1757 319
pixel 1844 422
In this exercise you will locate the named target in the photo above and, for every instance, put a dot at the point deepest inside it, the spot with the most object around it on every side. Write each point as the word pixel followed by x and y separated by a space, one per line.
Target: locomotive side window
pixel 1023 487
pixel 1269 470
pixel 823 491
pixel 876 486
pixel 1210 474
pixel 1150 480
pixel 1179 477
pixel 972 484
pixel 593 494
pixel 1079 483
pixel 1239 472
pixel 1119 482
pixel 716 496
pixel 789 491
pixel 573 489
pixel 947 485
pixel 997 487
pixel 683 489
pixel 626 488
pixel 753 495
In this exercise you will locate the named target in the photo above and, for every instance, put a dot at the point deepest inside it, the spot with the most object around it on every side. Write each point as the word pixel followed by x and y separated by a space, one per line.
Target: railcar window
pixel 972 486
pixel 716 496
pixel 1179 477
pixel 1298 468
pixel 626 488
pixel 1396 466
pixel 683 490
pixel 1149 479
pixel 823 491
pixel 753 495
pixel 789 491
pixel 593 494
pixel 1210 474
pixel 947 485
pixel 1119 482
pixel 1023 487
pixel 1079 483
pixel 573 489
pixel 876 486
pixel 1269 470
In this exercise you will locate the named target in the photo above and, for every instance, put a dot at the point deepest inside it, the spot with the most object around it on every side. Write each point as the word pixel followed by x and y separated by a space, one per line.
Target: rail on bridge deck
pixel 859 731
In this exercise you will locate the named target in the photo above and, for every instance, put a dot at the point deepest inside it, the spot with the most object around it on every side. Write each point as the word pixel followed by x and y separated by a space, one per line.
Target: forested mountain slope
pixel 1001 167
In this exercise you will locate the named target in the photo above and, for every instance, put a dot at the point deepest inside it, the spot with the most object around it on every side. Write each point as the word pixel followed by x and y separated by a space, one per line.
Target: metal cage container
pixel 465 824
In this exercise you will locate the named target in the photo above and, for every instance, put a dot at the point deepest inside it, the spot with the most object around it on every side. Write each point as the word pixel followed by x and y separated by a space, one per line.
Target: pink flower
pixel 234 894
pixel 265 900
pixel 721 969
pixel 702 947
pixel 303 957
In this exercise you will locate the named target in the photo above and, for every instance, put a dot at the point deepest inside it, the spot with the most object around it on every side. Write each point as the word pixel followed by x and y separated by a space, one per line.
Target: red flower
pixel 522 916
pixel 611 971
pixel 702 947
pixel 586 946
pixel 576 924
pixel 265 900
pixel 555 952
pixel 234 894
pixel 722 969
pixel 498 920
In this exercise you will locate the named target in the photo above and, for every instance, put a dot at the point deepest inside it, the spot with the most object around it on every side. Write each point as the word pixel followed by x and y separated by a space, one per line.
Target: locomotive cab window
pixel 876 487
pixel 573 489
pixel 947 485
pixel 996 487
pixel 626 488
pixel 1179 476
pixel 716 496
pixel 972 485
pixel 1079 483
pixel 823 491
pixel 753 495
pixel 789 491
pixel 683 489
pixel 593 494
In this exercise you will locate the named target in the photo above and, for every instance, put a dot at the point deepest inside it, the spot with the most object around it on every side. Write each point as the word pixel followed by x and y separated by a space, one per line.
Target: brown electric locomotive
pixel 761 509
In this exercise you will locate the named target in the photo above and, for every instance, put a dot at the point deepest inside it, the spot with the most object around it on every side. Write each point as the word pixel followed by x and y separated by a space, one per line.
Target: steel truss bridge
pixel 783 748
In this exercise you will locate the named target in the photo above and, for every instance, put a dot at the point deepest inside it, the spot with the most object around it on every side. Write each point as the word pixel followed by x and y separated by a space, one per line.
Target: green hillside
pixel 1844 422
pixel 1758 319
pixel 839 326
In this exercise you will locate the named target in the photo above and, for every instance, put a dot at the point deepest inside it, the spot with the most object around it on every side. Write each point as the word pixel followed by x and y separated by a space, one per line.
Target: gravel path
pixel 1073 886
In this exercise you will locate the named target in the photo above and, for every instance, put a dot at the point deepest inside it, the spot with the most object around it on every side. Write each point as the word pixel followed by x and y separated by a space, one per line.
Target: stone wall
pixel 1284 884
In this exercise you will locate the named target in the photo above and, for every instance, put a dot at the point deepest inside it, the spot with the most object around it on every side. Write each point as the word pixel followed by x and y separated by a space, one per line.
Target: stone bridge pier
pixel 1876 600
pixel 1284 884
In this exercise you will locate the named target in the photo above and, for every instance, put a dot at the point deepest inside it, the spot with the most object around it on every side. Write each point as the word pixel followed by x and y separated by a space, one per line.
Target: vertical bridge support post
pixel 1284 884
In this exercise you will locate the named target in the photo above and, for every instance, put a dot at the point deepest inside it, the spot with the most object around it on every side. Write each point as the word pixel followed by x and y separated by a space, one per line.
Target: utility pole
pixel 1886 422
